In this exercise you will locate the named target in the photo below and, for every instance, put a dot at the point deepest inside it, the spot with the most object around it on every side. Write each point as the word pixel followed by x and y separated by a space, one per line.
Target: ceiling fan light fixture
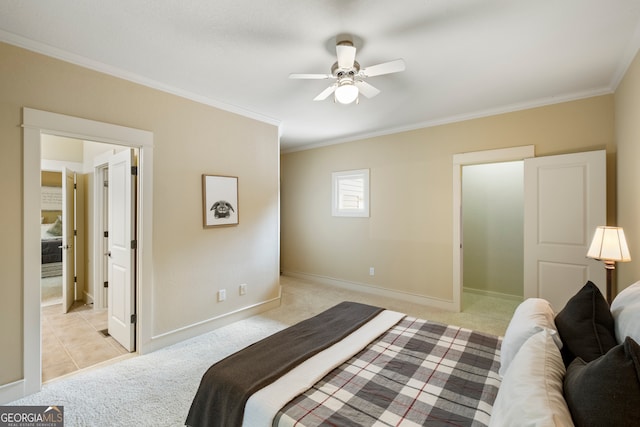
pixel 346 93
pixel 349 78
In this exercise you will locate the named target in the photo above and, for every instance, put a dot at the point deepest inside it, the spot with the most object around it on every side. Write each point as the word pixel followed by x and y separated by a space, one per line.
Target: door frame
pixel 69 243
pixel 35 123
pixel 474 158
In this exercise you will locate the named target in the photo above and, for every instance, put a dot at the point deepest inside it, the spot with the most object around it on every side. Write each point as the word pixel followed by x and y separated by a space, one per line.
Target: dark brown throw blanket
pixel 228 384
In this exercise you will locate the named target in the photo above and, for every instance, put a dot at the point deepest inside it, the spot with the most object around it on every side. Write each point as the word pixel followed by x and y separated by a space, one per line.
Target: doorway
pixel 62 225
pixel 564 201
pixel 36 123
pixel 51 236
pixel 459 161
pixel 493 229
pixel 76 332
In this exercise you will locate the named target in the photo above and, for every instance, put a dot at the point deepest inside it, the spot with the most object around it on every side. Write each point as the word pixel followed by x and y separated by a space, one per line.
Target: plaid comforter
pixel 418 373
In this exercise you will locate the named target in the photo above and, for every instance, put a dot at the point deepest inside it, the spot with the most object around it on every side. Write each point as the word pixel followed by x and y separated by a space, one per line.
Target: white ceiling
pixel 464 58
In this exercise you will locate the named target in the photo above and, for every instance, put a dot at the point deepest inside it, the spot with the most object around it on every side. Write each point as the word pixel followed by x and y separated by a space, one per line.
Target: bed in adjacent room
pixel 359 365
pixel 51 248
pixel 51 223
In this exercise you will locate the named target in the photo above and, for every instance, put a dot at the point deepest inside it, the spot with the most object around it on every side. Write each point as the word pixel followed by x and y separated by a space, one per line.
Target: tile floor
pixel 73 341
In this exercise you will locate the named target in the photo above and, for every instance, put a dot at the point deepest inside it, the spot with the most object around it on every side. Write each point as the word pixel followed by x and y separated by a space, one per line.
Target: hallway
pixel 74 340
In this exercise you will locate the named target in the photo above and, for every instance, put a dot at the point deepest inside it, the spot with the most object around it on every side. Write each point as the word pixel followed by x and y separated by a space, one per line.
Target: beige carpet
pixel 156 389
pixel 300 299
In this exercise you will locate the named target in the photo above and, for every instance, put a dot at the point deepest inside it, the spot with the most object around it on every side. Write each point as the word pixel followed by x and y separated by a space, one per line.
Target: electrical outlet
pixel 222 295
pixel 243 289
pixel 372 271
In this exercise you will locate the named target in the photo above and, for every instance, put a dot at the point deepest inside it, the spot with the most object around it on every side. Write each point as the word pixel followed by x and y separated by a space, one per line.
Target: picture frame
pixel 219 201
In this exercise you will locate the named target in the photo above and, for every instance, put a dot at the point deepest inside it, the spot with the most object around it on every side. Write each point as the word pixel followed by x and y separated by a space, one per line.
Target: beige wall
pixel 408 238
pixel 627 109
pixel 61 148
pixel 190 263
pixel 51 179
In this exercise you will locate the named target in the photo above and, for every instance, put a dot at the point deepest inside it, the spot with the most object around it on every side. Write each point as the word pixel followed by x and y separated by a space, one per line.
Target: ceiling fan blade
pixel 310 76
pixel 346 55
pixel 366 89
pixel 384 68
pixel 325 93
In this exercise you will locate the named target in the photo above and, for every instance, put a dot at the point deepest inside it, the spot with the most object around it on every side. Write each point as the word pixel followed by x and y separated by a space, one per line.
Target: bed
pixel 358 365
pixel 420 368
pixel 51 249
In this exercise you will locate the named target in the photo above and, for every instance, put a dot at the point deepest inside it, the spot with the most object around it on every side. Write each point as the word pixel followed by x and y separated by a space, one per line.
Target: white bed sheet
pixel 44 232
pixel 263 405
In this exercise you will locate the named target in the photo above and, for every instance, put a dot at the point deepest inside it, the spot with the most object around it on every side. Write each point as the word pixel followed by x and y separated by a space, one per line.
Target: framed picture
pixel 219 200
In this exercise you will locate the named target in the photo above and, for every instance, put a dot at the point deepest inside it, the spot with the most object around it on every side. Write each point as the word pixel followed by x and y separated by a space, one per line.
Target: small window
pixel 350 191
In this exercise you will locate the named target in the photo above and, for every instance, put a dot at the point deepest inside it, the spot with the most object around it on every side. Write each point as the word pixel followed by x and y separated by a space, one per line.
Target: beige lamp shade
pixel 609 244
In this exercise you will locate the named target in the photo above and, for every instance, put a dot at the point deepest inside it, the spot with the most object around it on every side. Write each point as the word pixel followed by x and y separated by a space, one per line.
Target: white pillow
pixel 531 392
pixel 531 316
pixel 625 309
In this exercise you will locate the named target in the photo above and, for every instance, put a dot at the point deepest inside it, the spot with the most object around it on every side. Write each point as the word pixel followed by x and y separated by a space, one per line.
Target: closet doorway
pixel 493 229
pixel 564 202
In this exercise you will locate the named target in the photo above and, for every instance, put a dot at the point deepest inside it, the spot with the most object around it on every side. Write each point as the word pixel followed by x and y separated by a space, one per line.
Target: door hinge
pixel 134 318
pixel 106 284
pixel 134 244
pixel 134 170
pixel 75 232
pixel 75 186
pixel 106 234
pixel 75 279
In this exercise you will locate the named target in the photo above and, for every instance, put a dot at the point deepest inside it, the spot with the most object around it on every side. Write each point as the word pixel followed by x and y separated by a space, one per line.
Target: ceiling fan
pixel 349 77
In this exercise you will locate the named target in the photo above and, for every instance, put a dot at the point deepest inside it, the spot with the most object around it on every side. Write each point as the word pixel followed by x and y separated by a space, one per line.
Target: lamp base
pixel 609 267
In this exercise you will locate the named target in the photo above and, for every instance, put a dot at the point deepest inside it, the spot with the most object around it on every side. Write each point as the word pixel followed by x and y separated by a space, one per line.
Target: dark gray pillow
pixel 586 326
pixel 605 392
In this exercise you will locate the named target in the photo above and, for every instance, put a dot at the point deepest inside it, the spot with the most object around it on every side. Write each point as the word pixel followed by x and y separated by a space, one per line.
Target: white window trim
pixel 363 212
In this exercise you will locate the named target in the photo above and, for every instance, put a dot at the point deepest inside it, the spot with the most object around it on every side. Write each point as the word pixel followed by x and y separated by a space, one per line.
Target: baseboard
pixel 12 391
pixel 88 298
pixel 173 337
pixel 375 290
pixel 493 294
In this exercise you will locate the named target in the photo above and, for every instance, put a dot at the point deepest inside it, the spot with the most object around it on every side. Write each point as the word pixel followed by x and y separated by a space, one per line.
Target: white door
pixel 564 202
pixel 121 272
pixel 68 257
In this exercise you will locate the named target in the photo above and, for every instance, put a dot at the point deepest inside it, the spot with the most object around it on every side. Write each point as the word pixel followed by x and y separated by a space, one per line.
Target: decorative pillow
pixel 531 316
pixel 585 325
pixel 606 392
pixel 56 228
pixel 625 309
pixel 531 392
